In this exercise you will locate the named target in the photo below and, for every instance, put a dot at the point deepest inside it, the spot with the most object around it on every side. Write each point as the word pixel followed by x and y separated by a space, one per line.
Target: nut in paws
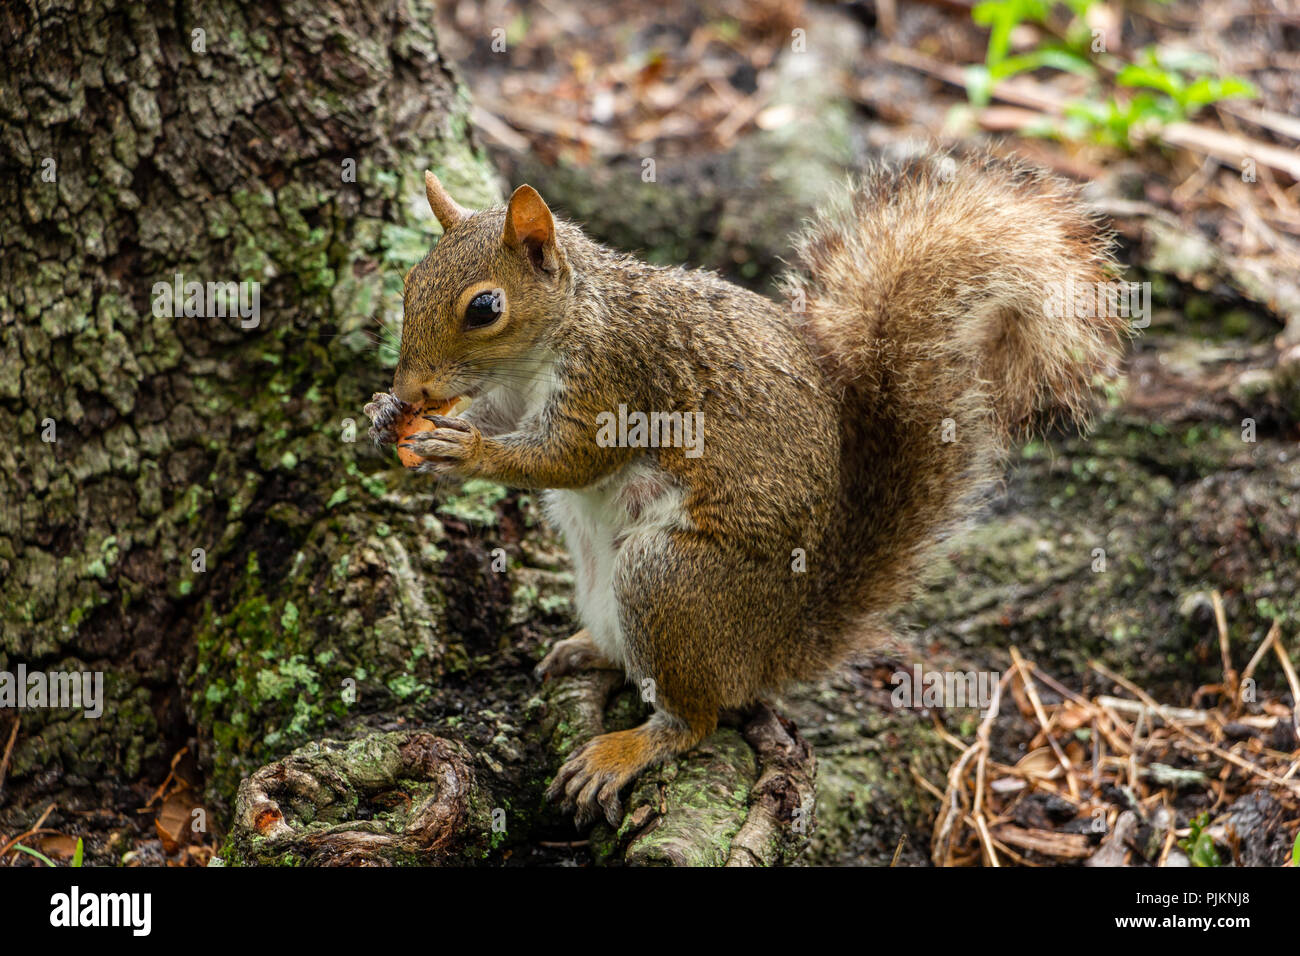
pixel 452 446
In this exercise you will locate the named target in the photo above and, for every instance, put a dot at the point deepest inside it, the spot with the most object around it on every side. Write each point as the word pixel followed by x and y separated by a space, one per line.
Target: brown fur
pixel 924 302
pixel 925 297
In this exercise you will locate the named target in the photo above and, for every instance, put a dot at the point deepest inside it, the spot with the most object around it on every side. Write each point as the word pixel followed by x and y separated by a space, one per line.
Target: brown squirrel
pixel 847 431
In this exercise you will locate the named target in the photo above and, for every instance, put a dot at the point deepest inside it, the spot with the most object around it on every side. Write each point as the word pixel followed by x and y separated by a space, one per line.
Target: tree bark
pixel 218 141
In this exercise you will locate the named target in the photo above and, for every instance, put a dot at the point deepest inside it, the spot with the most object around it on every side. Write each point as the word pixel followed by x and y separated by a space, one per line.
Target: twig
pixel 982 738
pixel 927 785
pixel 744 112
pixel 1185 714
pixel 1060 688
pixel 500 131
pixel 34 830
pixel 1260 651
pixel 9 750
pixel 1292 785
pixel 1274 122
pixel 1138 726
pixel 1293 683
pixel 1112 721
pixel 1229 675
pixel 898 850
pixel 941 847
pixel 552 125
pixel 1042 722
pixel 1098 752
pixel 945 735
pixel 948 819
pixel 1169 840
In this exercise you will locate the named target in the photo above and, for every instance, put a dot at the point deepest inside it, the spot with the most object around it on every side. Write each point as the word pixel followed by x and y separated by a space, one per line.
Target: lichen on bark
pixel 218 142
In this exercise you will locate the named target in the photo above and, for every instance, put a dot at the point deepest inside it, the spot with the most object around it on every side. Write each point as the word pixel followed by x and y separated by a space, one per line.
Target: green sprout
pixel 1199 845
pixel 1169 85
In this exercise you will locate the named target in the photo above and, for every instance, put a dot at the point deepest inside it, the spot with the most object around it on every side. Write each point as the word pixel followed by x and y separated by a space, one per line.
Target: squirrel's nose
pixel 416 391
pixel 410 392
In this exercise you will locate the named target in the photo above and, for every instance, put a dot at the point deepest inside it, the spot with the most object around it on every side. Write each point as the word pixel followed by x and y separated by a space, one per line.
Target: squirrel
pixel 846 432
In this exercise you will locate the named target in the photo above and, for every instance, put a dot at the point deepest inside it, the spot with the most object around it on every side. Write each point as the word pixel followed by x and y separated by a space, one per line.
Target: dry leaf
pixel 1040 764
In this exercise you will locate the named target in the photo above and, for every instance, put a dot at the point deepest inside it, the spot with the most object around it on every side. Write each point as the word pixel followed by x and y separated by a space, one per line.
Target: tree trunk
pixel 208 526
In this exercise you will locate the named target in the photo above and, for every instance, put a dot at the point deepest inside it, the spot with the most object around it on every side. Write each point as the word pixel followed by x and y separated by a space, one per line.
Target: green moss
pixel 475 502
pixel 708 791
pixel 252 708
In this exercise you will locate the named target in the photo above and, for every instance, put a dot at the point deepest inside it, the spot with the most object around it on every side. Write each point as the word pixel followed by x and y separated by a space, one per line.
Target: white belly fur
pixel 628 509
pixel 599 524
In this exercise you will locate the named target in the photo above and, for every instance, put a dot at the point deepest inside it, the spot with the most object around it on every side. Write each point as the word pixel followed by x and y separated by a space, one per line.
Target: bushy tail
pixel 932 300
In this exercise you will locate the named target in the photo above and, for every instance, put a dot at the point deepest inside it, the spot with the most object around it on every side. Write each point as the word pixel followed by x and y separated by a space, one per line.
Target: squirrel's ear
pixel 531 228
pixel 448 211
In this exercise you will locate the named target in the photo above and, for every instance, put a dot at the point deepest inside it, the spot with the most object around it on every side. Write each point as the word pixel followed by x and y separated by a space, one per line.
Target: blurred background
pixel 1178 108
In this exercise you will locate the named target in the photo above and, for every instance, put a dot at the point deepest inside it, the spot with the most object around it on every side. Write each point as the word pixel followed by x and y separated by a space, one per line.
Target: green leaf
pixel 1152 76
pixel 1235 86
pixel 1014 12
pixel 1199 845
pixel 78 853
pixel 1204 853
pixel 1060 58
pixel 1013 65
pixel 1089 110
pixel 40 856
pixel 1295 850
pixel 1210 89
pixel 1080 8
pixel 1003 16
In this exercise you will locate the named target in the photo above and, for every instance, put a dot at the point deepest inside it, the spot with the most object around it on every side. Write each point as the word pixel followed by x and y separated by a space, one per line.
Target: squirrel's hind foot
pixel 571 655
pixel 592 777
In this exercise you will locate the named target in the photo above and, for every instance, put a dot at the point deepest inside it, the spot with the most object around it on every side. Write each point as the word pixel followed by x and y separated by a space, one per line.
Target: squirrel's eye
pixel 483 309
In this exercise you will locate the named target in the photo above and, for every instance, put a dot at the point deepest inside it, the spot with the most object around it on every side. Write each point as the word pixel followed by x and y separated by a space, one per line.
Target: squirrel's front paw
pixel 385 410
pixel 452 447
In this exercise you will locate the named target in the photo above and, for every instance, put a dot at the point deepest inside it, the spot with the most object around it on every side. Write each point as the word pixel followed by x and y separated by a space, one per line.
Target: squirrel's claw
pixel 571 655
pixel 384 411
pixel 595 797
pixel 443 442
pixel 592 777
pixel 452 450
pixel 442 421
pixel 586 794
